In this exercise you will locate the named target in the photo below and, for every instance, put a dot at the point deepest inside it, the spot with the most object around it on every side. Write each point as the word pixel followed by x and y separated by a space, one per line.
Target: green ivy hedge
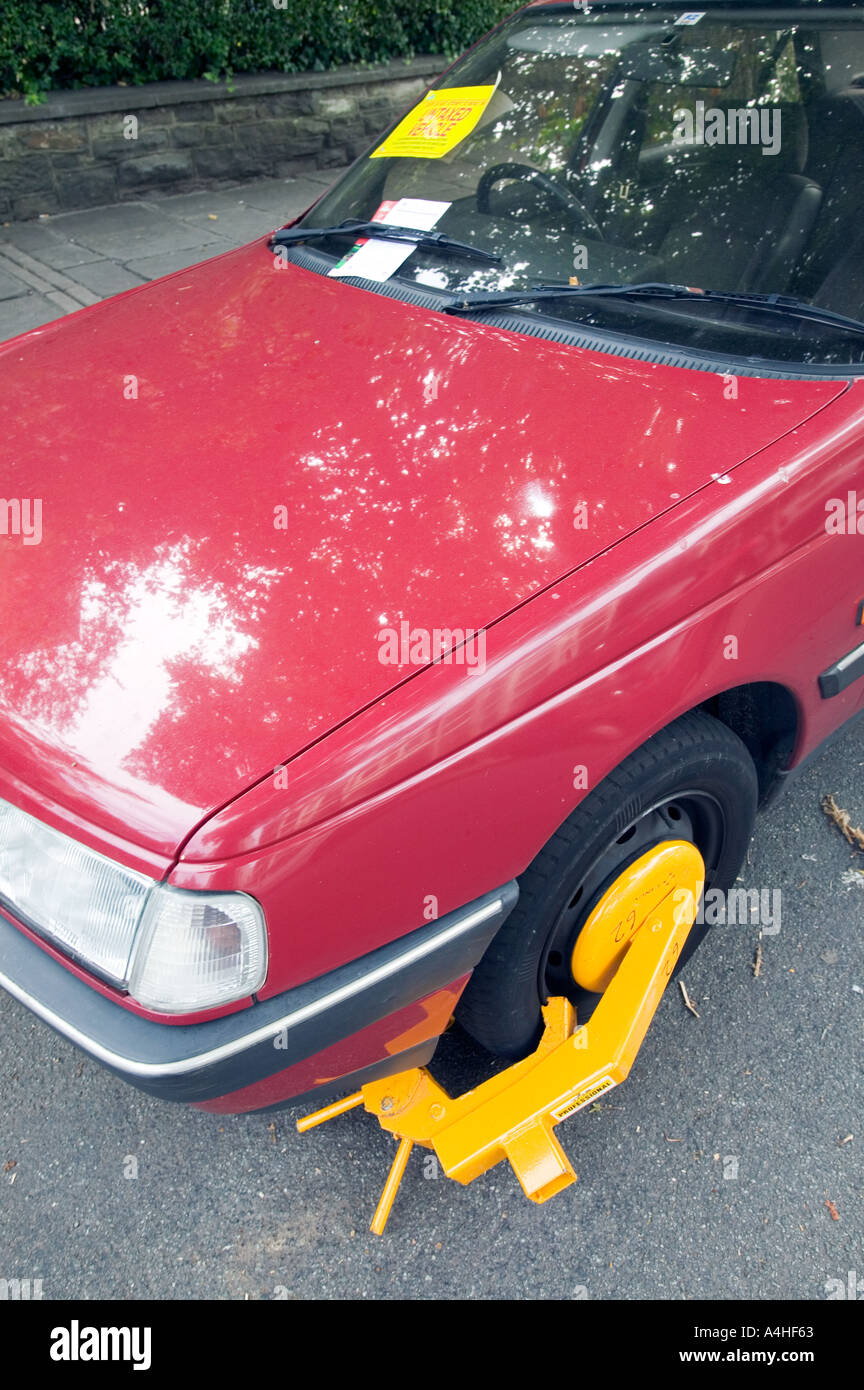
pixel 49 44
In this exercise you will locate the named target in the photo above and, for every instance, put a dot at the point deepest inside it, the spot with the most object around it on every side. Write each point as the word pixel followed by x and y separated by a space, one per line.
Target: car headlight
pixel 175 950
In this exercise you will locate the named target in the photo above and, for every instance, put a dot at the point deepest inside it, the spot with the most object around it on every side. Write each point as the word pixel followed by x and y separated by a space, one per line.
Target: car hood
pixel 247 473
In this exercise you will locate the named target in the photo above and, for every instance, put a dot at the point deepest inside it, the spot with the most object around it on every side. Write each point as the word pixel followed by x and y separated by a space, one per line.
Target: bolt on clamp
pixel 634 936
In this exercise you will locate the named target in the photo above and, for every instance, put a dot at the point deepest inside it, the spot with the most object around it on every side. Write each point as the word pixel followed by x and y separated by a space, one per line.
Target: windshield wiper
pixel 772 303
pixel 384 231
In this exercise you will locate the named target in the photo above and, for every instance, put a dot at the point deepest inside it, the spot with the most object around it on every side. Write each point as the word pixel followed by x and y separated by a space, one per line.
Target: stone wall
pixel 107 144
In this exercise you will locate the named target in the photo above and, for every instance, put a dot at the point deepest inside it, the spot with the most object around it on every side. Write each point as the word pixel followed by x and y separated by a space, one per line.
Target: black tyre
pixel 692 781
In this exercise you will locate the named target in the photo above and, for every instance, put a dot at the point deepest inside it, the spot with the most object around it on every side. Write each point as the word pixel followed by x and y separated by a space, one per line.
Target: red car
pixel 376 595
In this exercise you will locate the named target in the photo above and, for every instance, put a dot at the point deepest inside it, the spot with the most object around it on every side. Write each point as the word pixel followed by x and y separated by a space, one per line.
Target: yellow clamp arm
pixel 513 1115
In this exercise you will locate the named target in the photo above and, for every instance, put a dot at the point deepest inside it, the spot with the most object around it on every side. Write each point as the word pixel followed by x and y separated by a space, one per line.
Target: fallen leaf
pixel 853 833
pixel 687 1000
pixel 835 1215
pixel 7 1167
pixel 757 962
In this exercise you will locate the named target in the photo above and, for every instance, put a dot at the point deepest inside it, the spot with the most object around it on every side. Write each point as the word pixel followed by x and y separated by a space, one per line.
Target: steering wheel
pixel 524 171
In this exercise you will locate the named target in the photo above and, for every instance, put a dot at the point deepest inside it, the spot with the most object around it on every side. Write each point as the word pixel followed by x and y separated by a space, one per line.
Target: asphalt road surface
pixel 722 1169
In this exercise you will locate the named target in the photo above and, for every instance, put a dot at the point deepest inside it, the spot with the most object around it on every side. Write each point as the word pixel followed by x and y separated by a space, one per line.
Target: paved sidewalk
pixel 54 265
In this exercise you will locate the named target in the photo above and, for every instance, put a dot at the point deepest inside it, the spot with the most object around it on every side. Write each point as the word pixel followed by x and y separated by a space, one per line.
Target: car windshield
pixel 721 150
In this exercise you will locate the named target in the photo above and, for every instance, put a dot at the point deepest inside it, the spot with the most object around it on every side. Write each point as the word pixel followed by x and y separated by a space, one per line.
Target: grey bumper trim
pixel 204 1060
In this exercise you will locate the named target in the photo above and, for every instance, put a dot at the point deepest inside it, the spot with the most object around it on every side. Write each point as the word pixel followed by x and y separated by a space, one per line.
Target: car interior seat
pixel 836 163
pixel 744 217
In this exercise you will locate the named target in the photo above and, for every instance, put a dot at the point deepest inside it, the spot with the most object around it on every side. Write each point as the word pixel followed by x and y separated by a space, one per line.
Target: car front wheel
pixel 694 781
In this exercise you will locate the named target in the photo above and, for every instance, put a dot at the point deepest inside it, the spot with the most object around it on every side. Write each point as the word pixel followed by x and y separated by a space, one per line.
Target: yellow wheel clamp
pixel 634 937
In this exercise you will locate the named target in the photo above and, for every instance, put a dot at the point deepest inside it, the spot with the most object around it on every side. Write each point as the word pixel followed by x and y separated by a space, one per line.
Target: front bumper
pixel 200 1062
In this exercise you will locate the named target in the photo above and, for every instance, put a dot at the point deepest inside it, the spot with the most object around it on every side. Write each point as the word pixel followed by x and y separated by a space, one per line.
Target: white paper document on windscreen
pixel 378 260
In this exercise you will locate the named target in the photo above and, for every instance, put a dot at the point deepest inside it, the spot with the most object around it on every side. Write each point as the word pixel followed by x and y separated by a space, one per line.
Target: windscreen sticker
pixel 378 260
pixel 691 17
pixel 440 123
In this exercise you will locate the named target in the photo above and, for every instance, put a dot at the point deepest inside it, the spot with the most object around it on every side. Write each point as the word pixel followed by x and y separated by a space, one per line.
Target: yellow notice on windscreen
pixel 437 125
